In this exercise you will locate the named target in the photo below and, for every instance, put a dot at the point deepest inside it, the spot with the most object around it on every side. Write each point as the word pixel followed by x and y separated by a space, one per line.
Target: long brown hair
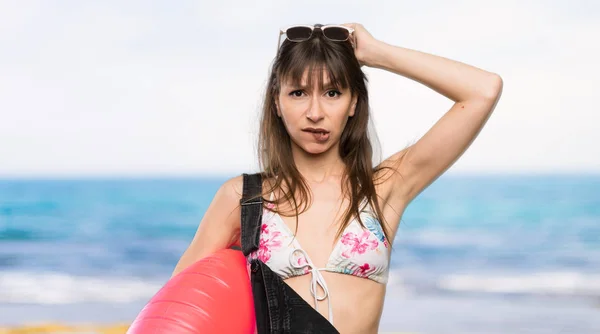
pixel 315 56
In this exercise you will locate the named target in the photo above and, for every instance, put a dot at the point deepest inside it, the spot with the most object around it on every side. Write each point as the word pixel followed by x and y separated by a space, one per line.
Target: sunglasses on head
pixel 301 33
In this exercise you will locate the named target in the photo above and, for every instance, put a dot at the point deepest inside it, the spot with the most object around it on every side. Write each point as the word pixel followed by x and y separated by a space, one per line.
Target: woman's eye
pixel 296 93
pixel 333 93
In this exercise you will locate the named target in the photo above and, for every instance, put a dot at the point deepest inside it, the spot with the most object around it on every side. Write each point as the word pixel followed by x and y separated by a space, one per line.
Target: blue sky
pixel 168 88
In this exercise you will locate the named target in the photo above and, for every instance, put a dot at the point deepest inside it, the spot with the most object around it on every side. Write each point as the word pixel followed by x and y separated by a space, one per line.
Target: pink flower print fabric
pixel 358 243
pixel 270 240
pixel 363 270
pixel 360 251
pixel 303 263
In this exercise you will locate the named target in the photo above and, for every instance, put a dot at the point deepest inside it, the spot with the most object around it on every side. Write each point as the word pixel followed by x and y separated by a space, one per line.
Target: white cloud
pixel 158 88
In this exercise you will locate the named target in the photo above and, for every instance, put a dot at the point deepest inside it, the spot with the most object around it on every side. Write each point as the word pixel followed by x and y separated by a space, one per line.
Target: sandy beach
pixel 60 328
pixel 84 329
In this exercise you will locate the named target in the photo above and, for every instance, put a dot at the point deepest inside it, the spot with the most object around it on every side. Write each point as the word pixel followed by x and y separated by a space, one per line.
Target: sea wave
pixel 53 288
pixel 59 288
pixel 540 283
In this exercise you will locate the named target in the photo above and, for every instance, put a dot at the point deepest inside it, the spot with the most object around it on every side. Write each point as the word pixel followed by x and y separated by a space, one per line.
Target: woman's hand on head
pixel 364 43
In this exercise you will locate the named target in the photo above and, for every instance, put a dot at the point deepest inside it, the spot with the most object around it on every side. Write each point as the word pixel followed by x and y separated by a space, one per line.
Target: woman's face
pixel 315 119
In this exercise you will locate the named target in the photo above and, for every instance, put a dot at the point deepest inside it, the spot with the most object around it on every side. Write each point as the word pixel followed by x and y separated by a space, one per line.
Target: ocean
pixel 474 254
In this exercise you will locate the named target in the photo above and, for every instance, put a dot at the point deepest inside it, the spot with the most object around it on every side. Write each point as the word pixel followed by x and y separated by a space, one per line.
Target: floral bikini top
pixel 359 252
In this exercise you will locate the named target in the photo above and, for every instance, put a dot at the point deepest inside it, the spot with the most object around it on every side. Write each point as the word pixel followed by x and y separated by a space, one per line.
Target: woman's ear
pixel 277 108
pixel 353 106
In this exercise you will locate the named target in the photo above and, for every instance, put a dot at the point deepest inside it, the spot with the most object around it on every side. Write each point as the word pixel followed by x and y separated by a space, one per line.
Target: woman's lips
pixel 319 135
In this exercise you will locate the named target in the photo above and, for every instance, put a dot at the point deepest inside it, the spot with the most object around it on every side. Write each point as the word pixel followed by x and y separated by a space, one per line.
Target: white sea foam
pixel 541 283
pixel 58 288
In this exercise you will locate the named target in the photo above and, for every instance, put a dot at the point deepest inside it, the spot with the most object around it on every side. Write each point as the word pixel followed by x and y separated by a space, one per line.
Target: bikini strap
pixel 252 205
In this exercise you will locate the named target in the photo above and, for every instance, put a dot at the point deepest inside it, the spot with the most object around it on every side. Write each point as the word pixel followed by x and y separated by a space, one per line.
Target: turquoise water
pixel 483 240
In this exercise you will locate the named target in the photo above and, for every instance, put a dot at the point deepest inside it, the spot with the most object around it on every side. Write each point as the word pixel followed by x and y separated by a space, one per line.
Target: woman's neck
pixel 318 168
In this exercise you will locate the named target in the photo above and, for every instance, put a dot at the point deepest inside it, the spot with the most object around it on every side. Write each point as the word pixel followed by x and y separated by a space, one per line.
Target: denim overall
pixel 279 309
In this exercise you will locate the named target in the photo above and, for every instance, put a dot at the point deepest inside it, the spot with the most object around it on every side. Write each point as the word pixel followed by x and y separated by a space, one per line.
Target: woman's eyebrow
pixel 326 85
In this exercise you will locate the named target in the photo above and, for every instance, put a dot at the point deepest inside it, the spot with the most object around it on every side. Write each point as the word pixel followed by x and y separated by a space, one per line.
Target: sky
pixel 96 88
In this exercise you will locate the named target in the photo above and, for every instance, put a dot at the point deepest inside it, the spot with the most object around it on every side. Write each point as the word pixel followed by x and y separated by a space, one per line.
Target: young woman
pixel 329 216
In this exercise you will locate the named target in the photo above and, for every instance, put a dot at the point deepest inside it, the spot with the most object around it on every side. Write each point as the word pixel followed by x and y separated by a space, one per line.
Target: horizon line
pixel 214 175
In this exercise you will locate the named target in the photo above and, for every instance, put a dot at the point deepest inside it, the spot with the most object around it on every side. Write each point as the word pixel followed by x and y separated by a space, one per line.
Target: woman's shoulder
pixel 233 187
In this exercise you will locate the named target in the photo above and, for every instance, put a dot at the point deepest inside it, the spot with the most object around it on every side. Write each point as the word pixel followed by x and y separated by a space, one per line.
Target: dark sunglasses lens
pixel 336 33
pixel 297 34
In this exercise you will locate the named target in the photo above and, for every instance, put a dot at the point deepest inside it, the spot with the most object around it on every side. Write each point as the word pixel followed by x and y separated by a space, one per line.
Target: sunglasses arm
pixel 278 41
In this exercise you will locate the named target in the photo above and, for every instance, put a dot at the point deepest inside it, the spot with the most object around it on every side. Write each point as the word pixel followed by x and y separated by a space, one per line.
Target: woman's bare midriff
pixel 357 303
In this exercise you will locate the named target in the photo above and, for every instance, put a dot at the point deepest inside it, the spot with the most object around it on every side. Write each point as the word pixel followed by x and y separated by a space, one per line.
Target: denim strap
pixel 252 205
